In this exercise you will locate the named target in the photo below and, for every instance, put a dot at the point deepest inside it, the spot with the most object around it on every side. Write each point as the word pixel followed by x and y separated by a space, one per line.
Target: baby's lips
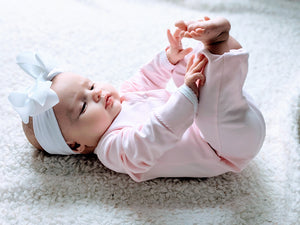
pixel 108 100
pixel 105 100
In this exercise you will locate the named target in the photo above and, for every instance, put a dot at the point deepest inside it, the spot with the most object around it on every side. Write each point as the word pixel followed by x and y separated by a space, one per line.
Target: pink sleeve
pixel 135 150
pixel 153 75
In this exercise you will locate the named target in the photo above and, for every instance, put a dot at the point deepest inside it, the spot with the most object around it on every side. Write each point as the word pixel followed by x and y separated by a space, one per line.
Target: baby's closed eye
pixel 92 87
pixel 83 109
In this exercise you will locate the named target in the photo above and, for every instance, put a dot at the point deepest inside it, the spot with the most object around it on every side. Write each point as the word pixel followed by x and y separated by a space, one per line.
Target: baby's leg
pixel 227 119
pixel 214 36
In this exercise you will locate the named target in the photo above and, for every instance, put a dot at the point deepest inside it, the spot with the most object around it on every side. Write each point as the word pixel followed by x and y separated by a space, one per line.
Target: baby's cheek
pixel 98 126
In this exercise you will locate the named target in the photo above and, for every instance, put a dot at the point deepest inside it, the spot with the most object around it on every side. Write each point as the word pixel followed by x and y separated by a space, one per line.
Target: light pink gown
pixel 159 134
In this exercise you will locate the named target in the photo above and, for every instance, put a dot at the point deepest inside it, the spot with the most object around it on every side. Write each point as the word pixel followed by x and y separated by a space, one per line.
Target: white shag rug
pixel 110 40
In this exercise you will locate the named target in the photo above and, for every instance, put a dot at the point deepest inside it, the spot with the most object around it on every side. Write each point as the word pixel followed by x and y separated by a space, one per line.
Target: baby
pixel 207 127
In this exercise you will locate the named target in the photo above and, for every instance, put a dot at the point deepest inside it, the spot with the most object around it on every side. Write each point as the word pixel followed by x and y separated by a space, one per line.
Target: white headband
pixel 38 101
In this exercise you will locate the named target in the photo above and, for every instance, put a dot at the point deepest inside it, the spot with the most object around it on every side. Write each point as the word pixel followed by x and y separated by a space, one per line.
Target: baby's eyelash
pixel 84 103
pixel 83 108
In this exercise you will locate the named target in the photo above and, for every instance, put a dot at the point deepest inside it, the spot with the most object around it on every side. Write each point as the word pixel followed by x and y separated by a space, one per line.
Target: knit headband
pixel 37 102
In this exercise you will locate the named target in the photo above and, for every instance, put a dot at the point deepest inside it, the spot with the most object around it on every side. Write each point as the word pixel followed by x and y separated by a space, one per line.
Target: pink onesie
pixel 163 134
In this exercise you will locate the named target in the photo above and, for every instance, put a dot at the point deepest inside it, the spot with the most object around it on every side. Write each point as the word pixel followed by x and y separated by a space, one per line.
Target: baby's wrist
pixel 190 95
pixel 169 57
pixel 165 61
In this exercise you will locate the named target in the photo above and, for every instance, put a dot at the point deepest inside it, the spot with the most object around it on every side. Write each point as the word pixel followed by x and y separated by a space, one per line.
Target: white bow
pixel 40 97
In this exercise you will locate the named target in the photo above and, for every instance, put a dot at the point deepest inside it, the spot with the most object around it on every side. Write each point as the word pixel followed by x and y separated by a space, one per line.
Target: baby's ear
pixel 76 147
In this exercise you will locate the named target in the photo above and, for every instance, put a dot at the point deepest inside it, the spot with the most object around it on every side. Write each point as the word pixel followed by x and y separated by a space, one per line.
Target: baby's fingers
pixel 190 63
pixel 191 81
pixel 195 76
pixel 184 52
pixel 171 39
pixel 178 34
pixel 199 64
pixel 202 79
pixel 175 39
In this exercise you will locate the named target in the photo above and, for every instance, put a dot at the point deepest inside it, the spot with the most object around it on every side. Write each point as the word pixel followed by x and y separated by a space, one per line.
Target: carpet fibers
pixel 110 40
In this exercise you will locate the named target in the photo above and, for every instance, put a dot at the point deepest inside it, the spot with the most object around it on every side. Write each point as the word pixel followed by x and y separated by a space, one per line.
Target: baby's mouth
pixel 108 101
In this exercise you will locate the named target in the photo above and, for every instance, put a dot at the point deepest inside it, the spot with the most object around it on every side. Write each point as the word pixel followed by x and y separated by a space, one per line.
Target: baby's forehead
pixel 68 77
pixel 68 81
pixel 68 87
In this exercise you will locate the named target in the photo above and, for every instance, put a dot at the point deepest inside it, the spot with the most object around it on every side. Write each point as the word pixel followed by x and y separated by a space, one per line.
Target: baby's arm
pixel 153 75
pixel 157 73
pixel 136 149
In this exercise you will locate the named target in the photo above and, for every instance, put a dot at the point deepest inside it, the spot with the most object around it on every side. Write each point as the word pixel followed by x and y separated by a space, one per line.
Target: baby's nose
pixel 97 94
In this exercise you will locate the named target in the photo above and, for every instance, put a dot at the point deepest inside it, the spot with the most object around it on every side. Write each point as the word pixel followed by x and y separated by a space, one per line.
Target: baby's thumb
pixel 186 51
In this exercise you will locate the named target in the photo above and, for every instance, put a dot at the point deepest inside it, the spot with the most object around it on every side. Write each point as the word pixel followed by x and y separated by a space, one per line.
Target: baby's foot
pixel 208 31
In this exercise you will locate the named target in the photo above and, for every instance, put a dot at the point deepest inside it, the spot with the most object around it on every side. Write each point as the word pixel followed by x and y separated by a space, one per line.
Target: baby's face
pixel 86 109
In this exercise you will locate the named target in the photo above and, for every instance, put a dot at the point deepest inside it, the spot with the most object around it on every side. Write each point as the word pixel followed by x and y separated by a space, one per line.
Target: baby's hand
pixel 175 52
pixel 194 77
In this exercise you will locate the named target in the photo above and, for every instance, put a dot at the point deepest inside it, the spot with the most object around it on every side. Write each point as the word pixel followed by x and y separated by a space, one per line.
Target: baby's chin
pixel 89 150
